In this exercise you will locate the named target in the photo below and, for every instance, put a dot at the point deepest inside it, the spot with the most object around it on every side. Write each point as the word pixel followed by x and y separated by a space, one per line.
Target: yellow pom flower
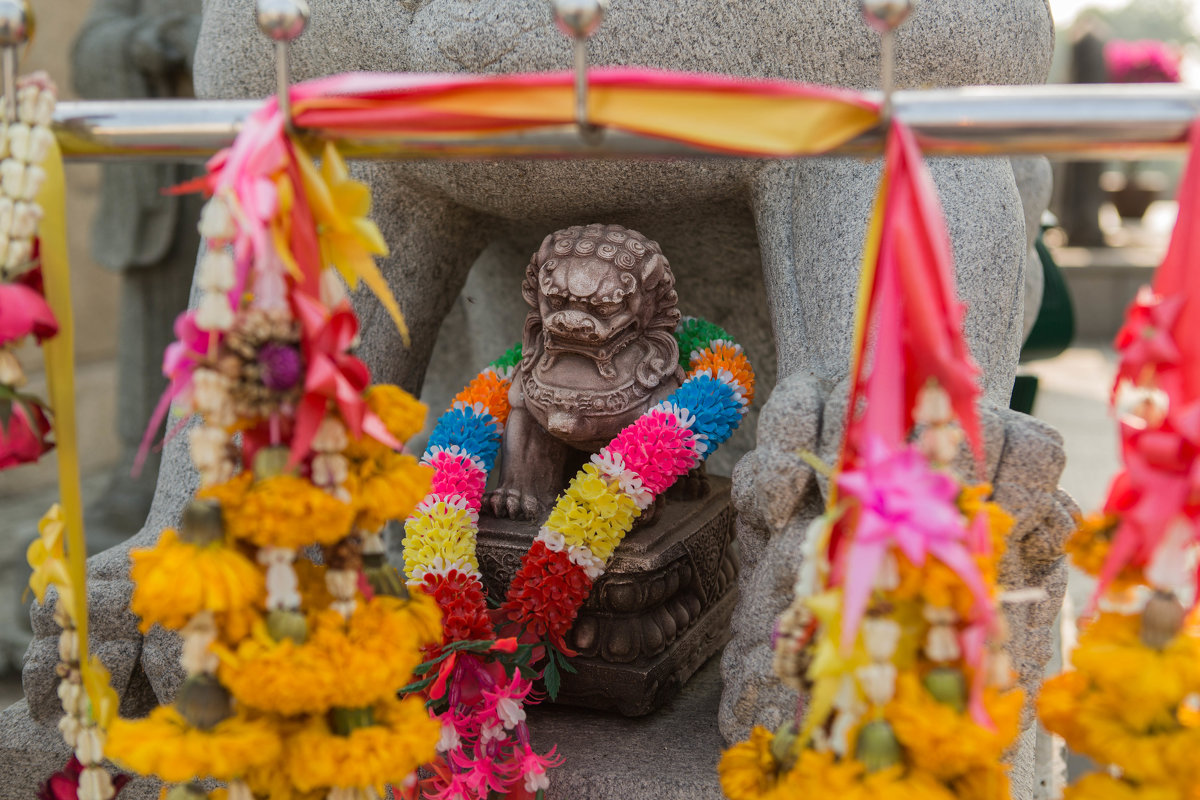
pixel 748 770
pixel 945 743
pixel 386 487
pixel 439 531
pixel 175 580
pixel 351 664
pixel 403 738
pixel 281 511
pixel 1088 549
pixel 593 513
pixel 163 744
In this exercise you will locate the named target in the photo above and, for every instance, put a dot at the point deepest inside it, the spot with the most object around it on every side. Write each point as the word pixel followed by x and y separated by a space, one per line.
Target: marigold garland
pixel 174 581
pixel 166 745
pixel 292 669
pixel 1129 701
pixel 280 511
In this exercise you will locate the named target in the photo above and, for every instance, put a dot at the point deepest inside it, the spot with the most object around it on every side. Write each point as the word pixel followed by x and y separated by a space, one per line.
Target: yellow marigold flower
pixel 1098 786
pixel 593 513
pixel 990 783
pixel 314 593
pixel 402 414
pixel 820 775
pixel 282 511
pixel 945 743
pixel 748 770
pixel 175 580
pixel 351 664
pixel 403 738
pixel 163 744
pixel 386 487
pixel 439 531
pixel 1057 702
pixel 1088 549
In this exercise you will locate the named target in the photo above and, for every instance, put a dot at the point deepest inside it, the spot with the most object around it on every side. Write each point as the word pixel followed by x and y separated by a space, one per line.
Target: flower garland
pixel 25 421
pixel 484 671
pixel 292 668
pixel 1129 700
pixel 893 632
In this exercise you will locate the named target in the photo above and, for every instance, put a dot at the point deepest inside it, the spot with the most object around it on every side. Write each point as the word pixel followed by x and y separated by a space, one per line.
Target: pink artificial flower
pixel 24 311
pixel 24 436
pixel 509 700
pixel 1145 61
pixel 903 503
pixel 533 768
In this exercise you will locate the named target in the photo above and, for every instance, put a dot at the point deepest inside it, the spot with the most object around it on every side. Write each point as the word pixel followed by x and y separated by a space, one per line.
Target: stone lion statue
pixel 597 351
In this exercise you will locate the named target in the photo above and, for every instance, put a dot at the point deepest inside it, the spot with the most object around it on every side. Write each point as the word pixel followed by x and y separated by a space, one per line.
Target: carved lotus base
pixel 658 613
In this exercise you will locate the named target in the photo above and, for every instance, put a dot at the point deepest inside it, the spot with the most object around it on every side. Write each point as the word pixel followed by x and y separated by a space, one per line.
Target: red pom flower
pixel 546 594
pixel 464 610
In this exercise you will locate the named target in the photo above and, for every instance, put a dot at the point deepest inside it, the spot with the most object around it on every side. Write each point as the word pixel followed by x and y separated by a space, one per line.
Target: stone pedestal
pixel 658 613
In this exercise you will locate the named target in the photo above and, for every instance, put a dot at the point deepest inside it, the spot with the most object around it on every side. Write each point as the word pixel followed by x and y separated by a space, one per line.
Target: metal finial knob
pixel 281 20
pixel 579 19
pixel 887 15
pixel 15 21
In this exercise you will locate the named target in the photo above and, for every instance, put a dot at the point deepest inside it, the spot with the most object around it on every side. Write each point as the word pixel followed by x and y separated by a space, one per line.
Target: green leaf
pixel 415 686
pixel 552 679
pixel 565 664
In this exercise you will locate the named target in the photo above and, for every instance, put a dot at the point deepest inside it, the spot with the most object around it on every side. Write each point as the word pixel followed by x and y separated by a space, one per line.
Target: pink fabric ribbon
pixel 905 504
pixel 333 375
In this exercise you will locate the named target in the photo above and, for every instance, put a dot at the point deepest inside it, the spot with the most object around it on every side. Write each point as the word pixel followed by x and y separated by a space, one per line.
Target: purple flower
pixel 281 366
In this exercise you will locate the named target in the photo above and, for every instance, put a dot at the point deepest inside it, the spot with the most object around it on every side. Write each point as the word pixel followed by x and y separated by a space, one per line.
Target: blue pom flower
pixel 475 432
pixel 713 404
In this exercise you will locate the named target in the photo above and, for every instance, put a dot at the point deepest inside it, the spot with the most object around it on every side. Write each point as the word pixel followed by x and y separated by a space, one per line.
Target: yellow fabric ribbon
pixel 59 354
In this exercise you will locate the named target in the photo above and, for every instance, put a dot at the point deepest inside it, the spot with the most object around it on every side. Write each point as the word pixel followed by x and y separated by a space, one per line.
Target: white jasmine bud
pixel 941 644
pixel 25 219
pixel 71 697
pixel 847 698
pixel 839 733
pixel 216 222
pixel 27 104
pixel 68 646
pixel 11 373
pixel 217 273
pixel 887 579
pixel 208 445
pixel 329 470
pixel 999 670
pixel 20 254
pixel 940 443
pixel 880 635
pixel 344 607
pixel 35 176
pixel 341 583
pixel 43 115
pixel 89 746
pixel 69 726
pixel 939 615
pixel 6 213
pixel 878 682
pixel 217 473
pixel 373 544
pixel 238 790
pixel 18 141
pixel 3 137
pixel 330 436
pixel 12 177
pixel 214 312
pixel 933 406
pixel 95 784
pixel 332 290
pixel 40 141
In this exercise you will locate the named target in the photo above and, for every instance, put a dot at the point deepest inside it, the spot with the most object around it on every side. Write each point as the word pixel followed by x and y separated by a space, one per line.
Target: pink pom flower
pixel 457 473
pixel 657 449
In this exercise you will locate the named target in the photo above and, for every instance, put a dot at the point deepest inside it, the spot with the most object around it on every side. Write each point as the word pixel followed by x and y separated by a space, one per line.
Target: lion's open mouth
pixel 589 343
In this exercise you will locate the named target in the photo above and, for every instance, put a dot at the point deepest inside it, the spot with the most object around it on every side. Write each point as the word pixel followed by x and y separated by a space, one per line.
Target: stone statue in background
pixel 769 250
pixel 136 49
pixel 597 351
